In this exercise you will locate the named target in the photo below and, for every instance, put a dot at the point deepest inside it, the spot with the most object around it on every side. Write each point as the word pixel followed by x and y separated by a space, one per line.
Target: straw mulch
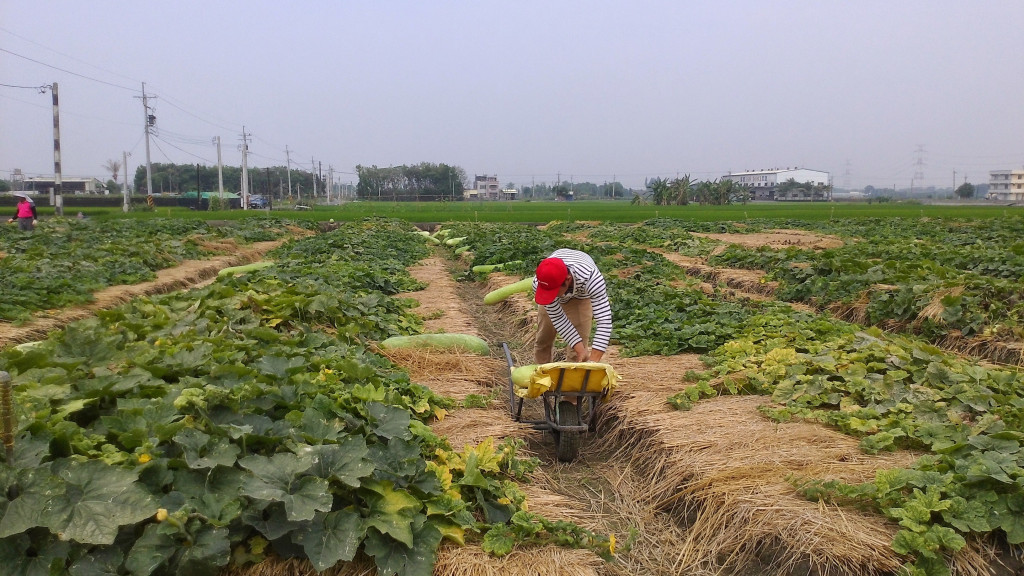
pixel 188 274
pixel 778 239
pixel 451 373
pixel 472 561
pixel 751 281
pixel 722 468
pixel 451 561
pixel 275 566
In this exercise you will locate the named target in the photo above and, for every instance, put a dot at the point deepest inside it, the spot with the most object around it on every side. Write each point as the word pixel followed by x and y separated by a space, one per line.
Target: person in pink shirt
pixel 25 214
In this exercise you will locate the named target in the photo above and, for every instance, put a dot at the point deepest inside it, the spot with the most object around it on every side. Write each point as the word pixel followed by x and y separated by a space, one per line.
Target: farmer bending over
pixel 571 293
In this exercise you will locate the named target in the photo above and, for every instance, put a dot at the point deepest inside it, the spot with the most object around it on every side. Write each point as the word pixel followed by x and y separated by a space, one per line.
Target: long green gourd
pixel 238 270
pixel 439 341
pixel 499 295
pixel 484 268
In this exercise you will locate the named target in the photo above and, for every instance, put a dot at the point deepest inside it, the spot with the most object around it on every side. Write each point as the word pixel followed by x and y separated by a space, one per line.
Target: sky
pixel 875 92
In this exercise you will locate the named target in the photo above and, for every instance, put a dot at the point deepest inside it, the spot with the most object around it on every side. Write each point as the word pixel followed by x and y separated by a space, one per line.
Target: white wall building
pixel 1006 185
pixel 762 183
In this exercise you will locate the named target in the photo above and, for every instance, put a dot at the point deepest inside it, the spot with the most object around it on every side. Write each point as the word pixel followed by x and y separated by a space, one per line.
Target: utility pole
pixel 148 120
pixel 245 169
pixel 954 182
pixel 288 156
pixel 127 192
pixel 269 194
pixel 312 169
pixel 58 200
pixel 330 182
pixel 220 172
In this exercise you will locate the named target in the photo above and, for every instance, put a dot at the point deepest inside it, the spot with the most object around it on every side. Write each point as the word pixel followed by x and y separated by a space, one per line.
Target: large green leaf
pixel 21 556
pixel 203 451
pixel 104 561
pixel 416 560
pixel 278 479
pixel 155 547
pixel 345 462
pixel 209 551
pixel 389 421
pixel 34 506
pixel 100 499
pixel 392 511
pixel 270 519
pixel 331 538
pixel 87 502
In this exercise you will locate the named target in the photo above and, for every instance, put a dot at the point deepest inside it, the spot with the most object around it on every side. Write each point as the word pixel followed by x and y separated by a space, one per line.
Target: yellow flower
pixel 143 458
pixel 161 514
pixel 611 544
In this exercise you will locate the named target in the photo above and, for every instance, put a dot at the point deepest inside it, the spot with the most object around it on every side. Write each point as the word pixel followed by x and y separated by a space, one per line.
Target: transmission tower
pixel 919 165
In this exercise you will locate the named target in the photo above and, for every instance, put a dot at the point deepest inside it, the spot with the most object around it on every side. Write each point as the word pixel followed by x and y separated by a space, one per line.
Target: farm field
pixel 540 212
pixel 772 422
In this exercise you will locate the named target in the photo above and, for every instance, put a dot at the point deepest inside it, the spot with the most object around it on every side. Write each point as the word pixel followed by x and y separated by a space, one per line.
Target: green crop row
pixel 64 261
pixel 185 433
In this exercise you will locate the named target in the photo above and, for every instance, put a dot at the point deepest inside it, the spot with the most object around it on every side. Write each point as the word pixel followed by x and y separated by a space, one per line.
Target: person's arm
pixel 35 215
pixel 602 310
pixel 563 327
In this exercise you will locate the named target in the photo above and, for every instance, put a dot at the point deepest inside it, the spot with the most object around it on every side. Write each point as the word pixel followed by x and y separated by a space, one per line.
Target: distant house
pixel 1006 185
pixel 763 183
pixel 67 185
pixel 487 188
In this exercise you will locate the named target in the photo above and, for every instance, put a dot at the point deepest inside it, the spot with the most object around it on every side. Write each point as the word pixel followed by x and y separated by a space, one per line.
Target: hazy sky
pixel 872 91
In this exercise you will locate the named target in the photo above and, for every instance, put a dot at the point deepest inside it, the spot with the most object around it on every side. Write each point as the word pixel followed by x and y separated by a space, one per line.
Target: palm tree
pixel 661 193
pixel 114 167
pixel 680 190
pixel 705 192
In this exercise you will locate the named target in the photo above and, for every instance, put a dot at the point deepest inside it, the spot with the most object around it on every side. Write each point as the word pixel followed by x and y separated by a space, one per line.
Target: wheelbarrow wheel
pixel 567 443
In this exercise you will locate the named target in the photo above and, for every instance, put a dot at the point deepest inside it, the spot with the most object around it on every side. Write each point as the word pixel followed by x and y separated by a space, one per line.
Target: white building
pixel 1006 185
pixel 762 183
pixel 43 185
pixel 487 187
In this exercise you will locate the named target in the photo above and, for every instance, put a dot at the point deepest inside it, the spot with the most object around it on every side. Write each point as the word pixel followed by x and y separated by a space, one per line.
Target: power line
pixel 31 41
pixel 68 71
pixel 156 137
pixel 173 105
pixel 42 89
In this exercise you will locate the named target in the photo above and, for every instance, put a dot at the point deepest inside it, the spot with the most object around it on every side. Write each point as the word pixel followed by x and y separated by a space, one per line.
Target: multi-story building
pixel 1006 185
pixel 487 187
pixel 763 183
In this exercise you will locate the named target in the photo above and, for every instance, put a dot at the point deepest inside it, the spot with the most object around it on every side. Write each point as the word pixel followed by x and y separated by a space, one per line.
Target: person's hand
pixel 34 222
pixel 581 352
pixel 10 220
pixel 596 355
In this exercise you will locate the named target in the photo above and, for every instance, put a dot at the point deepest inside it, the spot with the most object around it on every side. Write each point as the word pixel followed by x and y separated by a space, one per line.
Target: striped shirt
pixel 587 282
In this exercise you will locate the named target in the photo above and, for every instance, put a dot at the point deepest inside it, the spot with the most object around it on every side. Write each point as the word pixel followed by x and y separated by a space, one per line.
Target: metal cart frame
pixel 567 414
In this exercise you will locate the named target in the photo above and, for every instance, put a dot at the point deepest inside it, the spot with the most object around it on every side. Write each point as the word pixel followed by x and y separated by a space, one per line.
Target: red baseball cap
pixel 551 273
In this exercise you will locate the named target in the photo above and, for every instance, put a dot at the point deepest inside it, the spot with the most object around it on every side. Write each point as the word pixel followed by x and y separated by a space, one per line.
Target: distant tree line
pixel 420 182
pixel 271 182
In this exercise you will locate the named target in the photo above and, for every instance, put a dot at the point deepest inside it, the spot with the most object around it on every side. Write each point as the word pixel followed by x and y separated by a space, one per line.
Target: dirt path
pixel 189 273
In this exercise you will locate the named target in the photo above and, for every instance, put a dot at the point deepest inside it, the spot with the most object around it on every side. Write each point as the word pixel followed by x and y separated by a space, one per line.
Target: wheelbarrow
pixel 570 393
